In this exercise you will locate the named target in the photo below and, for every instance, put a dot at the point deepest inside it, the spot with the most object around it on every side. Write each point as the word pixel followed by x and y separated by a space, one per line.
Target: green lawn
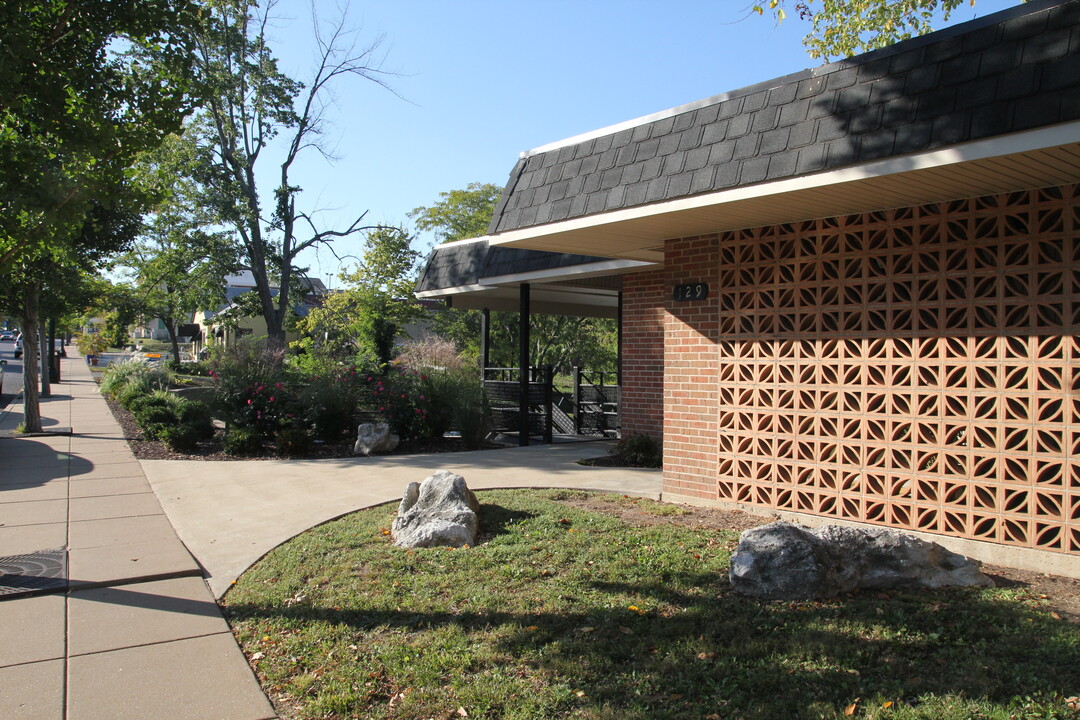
pixel 563 613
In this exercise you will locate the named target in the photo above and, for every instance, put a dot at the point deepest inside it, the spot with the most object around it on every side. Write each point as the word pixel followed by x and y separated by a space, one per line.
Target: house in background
pixel 227 323
pixel 851 294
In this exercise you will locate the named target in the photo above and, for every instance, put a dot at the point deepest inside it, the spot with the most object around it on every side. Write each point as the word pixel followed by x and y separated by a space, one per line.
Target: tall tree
pixel 363 321
pixel 841 28
pixel 253 108
pixel 459 214
pixel 74 112
pixel 177 262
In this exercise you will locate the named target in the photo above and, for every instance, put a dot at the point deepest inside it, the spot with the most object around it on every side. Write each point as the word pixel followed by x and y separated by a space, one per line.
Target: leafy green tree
pixel 362 322
pixel 253 110
pixel 842 28
pixel 459 214
pixel 176 262
pixel 74 112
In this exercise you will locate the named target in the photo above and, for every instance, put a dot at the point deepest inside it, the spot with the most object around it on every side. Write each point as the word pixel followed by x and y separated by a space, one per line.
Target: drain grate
pixel 38 572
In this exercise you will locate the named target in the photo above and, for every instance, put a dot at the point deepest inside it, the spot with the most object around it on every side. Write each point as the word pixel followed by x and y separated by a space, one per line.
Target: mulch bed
pixel 146 449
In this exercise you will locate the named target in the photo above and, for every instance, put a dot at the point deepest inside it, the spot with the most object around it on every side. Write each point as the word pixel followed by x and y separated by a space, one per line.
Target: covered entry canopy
pixel 474 275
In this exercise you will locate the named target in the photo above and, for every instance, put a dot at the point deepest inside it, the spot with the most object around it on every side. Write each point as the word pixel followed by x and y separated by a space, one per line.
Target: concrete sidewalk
pixel 134 632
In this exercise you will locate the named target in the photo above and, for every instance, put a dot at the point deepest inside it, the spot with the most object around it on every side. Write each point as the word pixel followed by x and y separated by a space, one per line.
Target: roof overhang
pixel 551 291
pixel 1037 158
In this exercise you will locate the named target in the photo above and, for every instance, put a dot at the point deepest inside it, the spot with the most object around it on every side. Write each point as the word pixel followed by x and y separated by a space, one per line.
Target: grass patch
pixel 566 613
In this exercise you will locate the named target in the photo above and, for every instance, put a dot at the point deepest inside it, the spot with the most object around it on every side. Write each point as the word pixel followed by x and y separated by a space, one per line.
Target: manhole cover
pixel 38 572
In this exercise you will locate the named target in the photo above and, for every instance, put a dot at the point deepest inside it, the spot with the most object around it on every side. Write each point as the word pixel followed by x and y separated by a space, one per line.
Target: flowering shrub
pixel 241 441
pixel 262 406
pixel 399 397
pixel 329 402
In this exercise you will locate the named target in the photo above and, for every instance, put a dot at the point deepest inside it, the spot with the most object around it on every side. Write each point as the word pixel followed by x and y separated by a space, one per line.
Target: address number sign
pixel 688 292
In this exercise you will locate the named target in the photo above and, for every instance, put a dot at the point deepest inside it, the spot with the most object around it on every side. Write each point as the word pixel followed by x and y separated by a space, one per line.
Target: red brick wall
pixel 691 413
pixel 642 400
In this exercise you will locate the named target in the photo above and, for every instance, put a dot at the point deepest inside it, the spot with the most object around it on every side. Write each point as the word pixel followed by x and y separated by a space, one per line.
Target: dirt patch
pixel 1061 594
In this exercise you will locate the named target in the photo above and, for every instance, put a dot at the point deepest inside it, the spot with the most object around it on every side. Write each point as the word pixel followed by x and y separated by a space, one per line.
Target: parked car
pixel 7 335
pixel 18 346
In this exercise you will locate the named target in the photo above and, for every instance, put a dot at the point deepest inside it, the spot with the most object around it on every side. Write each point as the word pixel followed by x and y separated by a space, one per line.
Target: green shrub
pixel 400 397
pixel 180 438
pixel 117 375
pixel 134 389
pixel 127 380
pixel 460 399
pixel 640 451
pixel 294 442
pixel 242 441
pixel 154 419
pixel 328 404
pixel 154 398
pixel 197 416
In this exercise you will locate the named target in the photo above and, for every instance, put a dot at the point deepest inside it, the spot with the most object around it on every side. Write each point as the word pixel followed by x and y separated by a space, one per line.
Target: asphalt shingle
pixel 1012 71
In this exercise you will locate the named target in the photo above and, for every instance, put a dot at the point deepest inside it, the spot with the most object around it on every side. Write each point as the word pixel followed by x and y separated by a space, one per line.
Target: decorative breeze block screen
pixel 917 368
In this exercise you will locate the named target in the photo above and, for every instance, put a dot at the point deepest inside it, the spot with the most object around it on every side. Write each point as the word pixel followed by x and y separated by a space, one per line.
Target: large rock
pixel 373 438
pixel 441 511
pixel 784 561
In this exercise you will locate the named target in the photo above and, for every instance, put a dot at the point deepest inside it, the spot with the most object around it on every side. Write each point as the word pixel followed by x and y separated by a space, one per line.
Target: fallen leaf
pixel 258 656
pixel 888 705
pixel 462 712
pixel 587 629
pixel 579 693
pixel 625 630
pixel 850 709
pixel 1055 615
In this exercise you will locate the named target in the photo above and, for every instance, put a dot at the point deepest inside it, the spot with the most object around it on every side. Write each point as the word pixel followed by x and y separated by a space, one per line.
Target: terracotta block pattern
pixel 642 396
pixel 917 368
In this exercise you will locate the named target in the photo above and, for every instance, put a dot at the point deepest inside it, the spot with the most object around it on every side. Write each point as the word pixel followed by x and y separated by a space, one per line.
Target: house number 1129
pixel 691 291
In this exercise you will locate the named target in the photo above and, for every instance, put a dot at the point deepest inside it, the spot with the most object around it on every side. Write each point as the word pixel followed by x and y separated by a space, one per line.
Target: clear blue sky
pixel 481 81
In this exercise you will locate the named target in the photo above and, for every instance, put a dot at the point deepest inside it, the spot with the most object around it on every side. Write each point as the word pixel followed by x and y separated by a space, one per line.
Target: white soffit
pixel 1037 158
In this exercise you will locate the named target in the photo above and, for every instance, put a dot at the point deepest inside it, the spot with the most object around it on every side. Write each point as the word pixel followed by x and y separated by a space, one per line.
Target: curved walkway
pixel 231 513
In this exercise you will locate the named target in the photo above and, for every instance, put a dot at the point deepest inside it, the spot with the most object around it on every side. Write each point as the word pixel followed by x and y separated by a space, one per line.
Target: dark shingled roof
pixel 461 264
pixel 1008 72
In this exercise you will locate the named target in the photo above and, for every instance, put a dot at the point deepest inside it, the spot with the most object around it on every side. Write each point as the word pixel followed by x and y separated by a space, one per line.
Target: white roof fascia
pixel 457 290
pixel 568 273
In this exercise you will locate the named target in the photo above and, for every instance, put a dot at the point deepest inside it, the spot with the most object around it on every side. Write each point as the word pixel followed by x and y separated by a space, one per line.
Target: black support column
pixel 523 364
pixel 485 339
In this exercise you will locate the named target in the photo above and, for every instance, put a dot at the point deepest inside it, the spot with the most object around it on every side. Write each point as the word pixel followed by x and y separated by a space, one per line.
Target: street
pixel 12 373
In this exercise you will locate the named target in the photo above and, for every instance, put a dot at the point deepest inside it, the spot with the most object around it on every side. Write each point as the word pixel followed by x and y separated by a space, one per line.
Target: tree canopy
pixel 255 124
pixel 842 28
pixel 459 214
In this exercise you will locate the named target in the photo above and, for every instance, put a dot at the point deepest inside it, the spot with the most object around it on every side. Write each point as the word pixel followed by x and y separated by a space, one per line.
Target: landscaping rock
pixel 441 511
pixel 374 438
pixel 785 561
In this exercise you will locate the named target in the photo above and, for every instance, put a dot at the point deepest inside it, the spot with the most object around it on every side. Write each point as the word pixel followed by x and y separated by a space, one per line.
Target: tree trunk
pixel 31 407
pixel 170 327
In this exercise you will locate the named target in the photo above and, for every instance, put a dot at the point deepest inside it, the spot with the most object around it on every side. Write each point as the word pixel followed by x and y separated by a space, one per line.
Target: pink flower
pixel 421 397
pixel 382 409
pixel 278 386
pixel 271 398
pixel 249 401
pixel 259 389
